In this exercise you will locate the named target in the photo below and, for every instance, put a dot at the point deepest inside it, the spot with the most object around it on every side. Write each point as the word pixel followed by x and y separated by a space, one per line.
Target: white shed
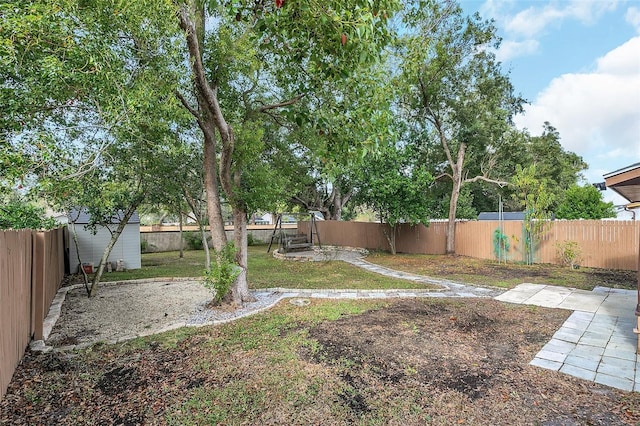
pixel 91 246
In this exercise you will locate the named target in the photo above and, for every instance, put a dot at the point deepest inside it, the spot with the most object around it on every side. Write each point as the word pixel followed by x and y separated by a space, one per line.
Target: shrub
pixel 22 215
pixel 193 240
pixel 222 272
pixel 569 253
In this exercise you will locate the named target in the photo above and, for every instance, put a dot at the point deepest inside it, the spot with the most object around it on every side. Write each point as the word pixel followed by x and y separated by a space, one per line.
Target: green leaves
pixel 395 187
pixel 584 202
pixel 18 214
pixel 222 272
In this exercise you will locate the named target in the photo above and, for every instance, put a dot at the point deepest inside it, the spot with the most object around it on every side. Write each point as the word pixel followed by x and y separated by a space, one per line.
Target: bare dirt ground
pixel 473 354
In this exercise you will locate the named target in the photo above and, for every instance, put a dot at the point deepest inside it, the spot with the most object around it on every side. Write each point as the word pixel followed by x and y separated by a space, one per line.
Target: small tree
pixel 569 253
pixel 395 188
pixel 532 194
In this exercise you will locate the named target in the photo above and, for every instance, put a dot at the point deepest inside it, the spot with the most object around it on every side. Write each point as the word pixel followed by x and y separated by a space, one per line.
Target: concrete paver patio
pixel 597 341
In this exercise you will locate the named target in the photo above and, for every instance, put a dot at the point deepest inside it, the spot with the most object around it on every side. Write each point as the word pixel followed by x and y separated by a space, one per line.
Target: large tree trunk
pixel 211 117
pixel 456 174
pixel 338 201
pixel 451 225
pixel 240 289
pixel 214 210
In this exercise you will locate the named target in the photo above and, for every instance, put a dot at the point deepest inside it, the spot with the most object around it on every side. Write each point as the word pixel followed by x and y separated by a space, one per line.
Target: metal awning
pixel 625 182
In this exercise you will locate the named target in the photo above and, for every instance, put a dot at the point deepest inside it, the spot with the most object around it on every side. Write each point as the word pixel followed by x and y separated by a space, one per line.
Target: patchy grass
pixel 166 264
pixel 425 361
pixel 265 271
pixel 509 275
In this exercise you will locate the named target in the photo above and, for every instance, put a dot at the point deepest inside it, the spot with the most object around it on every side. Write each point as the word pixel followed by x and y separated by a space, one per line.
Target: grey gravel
pixel 126 310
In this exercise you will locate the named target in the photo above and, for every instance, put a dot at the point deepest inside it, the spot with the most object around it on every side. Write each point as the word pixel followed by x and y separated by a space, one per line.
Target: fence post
pixel 37 285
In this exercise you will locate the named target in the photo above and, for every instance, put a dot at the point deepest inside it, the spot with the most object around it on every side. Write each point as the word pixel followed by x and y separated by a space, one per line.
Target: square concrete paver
pixel 545 363
pixel 568 334
pixel 521 293
pixel 614 382
pixel 549 297
pixel 617 367
pixel 597 341
pixel 619 305
pixel 590 363
pixel 581 300
pixel 579 372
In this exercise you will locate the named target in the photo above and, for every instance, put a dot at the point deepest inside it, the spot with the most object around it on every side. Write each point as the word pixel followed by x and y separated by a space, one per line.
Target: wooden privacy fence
pixel 603 243
pixel 31 271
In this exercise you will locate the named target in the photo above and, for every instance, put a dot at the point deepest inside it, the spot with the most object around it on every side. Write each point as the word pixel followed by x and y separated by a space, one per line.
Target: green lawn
pixel 266 272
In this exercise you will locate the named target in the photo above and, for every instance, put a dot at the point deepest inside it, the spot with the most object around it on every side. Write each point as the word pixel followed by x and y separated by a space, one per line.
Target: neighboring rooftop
pixel 505 216
pixel 82 217
pixel 626 182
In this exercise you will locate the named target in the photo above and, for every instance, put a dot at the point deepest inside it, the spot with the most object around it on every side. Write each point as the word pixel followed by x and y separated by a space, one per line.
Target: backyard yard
pixel 265 271
pixel 408 361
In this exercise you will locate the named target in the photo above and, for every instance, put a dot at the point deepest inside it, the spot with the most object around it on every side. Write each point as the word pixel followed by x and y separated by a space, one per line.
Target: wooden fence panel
pixel 423 239
pixel 371 235
pixel 15 300
pixel 49 272
pixel 31 272
pixel 604 244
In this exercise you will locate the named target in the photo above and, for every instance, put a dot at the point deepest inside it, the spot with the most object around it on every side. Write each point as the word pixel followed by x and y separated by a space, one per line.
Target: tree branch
pixel 441 175
pixel 281 104
pixel 185 104
pixel 500 183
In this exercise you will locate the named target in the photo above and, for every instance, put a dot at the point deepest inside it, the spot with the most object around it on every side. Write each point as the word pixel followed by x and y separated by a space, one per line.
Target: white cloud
pixel 616 154
pixel 633 17
pixel 597 114
pixel 530 22
pixel 533 20
pixel 623 60
pixel 512 49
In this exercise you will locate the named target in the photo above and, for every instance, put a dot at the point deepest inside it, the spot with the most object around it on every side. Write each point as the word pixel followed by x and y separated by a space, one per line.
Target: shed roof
pixel 82 216
pixel 625 182
pixel 505 216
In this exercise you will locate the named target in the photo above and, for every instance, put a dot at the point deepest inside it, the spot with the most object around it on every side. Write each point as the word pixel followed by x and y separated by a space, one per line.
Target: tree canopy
pixel 401 106
pixel 584 202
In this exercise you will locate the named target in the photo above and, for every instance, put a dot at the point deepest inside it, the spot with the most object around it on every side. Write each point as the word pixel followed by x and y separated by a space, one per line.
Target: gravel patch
pixel 127 310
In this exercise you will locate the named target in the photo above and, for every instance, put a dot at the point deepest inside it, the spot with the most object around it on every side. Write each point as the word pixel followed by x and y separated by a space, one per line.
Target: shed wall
pixel 92 246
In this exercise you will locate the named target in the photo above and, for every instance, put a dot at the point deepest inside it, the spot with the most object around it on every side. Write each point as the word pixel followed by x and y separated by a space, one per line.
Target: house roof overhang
pixel 625 182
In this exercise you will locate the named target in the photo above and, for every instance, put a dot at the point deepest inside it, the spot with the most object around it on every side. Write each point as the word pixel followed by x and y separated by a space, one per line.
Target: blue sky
pixel 577 62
